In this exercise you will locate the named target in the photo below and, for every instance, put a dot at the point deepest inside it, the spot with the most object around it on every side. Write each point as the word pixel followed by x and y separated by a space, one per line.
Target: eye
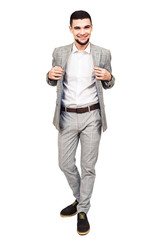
pixel 87 27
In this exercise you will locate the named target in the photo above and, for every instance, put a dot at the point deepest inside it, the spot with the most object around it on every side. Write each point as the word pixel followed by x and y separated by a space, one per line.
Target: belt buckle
pixel 89 108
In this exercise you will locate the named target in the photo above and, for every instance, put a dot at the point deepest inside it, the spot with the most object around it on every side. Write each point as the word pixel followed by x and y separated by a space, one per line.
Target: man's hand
pixel 55 73
pixel 102 74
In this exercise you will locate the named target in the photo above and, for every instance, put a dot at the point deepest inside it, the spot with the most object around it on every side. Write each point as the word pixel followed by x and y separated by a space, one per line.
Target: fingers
pixel 55 73
pixel 57 70
pixel 102 74
pixel 99 78
pixel 98 72
pixel 97 69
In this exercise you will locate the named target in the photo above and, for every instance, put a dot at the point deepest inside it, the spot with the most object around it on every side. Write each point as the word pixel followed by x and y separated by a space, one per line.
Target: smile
pixel 82 38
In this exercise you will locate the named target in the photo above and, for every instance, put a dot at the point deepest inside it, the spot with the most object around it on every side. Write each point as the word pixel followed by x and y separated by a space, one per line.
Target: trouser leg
pixel 67 144
pixel 90 139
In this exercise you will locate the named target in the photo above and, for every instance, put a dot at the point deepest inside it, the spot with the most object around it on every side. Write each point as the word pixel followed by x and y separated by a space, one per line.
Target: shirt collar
pixel 87 50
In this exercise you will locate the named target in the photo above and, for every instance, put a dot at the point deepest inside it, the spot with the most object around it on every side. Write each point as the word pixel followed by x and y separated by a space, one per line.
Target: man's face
pixel 81 30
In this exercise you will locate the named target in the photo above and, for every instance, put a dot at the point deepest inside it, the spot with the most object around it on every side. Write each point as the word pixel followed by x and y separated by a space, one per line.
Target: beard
pixel 81 43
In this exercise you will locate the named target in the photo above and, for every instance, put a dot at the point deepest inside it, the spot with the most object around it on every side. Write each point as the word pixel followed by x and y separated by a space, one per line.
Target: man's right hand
pixel 55 73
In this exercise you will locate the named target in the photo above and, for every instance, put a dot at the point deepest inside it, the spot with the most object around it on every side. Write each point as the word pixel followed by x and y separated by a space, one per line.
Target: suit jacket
pixel 101 58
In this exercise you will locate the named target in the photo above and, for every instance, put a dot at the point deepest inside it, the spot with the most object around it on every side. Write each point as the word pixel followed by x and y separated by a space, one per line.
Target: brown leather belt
pixel 81 110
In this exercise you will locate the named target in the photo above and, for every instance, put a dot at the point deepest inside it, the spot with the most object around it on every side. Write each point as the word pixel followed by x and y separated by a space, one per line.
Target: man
pixel 79 71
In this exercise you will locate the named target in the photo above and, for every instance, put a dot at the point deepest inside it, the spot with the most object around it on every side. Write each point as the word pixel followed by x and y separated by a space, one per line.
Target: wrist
pixel 108 77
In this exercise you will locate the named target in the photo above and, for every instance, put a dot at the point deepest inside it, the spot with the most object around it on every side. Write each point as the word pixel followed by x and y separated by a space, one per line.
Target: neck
pixel 81 47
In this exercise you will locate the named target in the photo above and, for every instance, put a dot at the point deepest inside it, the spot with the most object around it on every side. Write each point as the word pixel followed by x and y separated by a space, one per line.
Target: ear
pixel 70 28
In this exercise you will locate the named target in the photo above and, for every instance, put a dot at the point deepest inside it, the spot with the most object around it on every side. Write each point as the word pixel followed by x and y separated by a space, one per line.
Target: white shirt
pixel 79 83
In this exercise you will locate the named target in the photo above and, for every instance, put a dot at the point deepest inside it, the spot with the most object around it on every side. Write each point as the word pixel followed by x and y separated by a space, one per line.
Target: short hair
pixel 79 15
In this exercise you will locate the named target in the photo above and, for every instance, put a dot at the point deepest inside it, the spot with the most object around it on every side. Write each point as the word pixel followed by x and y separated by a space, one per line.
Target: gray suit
pixel 85 127
pixel 101 58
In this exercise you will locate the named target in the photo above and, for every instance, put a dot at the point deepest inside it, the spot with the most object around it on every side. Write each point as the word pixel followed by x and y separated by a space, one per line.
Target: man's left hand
pixel 102 74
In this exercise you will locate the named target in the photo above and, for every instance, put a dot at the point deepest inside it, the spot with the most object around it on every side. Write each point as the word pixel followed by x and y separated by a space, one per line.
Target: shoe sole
pixel 68 215
pixel 83 233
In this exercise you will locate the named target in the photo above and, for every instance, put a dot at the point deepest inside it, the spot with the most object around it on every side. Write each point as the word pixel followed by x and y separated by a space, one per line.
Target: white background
pixel 125 202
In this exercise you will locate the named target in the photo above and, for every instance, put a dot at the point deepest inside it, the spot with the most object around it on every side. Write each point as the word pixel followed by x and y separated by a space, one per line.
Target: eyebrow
pixel 78 27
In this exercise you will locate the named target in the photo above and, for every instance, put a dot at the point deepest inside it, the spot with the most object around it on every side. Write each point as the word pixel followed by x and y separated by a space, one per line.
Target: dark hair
pixel 79 15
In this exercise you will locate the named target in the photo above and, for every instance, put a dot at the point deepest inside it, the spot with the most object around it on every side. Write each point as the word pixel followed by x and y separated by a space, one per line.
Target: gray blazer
pixel 101 58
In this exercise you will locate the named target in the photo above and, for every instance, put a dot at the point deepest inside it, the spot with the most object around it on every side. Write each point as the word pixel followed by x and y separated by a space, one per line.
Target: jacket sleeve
pixel 108 84
pixel 51 81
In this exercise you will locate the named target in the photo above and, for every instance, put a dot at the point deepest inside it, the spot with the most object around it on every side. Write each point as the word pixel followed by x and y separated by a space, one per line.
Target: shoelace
pixel 81 216
pixel 75 202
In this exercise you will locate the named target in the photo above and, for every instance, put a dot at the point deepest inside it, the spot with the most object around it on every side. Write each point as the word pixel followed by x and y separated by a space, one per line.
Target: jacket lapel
pixel 96 62
pixel 62 62
pixel 65 55
pixel 68 49
pixel 95 55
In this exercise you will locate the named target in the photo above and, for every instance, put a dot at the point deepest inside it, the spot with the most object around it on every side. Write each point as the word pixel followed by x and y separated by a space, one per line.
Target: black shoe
pixel 69 211
pixel 82 224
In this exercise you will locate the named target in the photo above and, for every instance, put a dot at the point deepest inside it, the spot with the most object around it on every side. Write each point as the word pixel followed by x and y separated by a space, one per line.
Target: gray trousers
pixel 85 127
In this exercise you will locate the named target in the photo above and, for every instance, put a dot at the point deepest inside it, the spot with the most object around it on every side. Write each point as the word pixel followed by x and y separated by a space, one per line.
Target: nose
pixel 82 31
